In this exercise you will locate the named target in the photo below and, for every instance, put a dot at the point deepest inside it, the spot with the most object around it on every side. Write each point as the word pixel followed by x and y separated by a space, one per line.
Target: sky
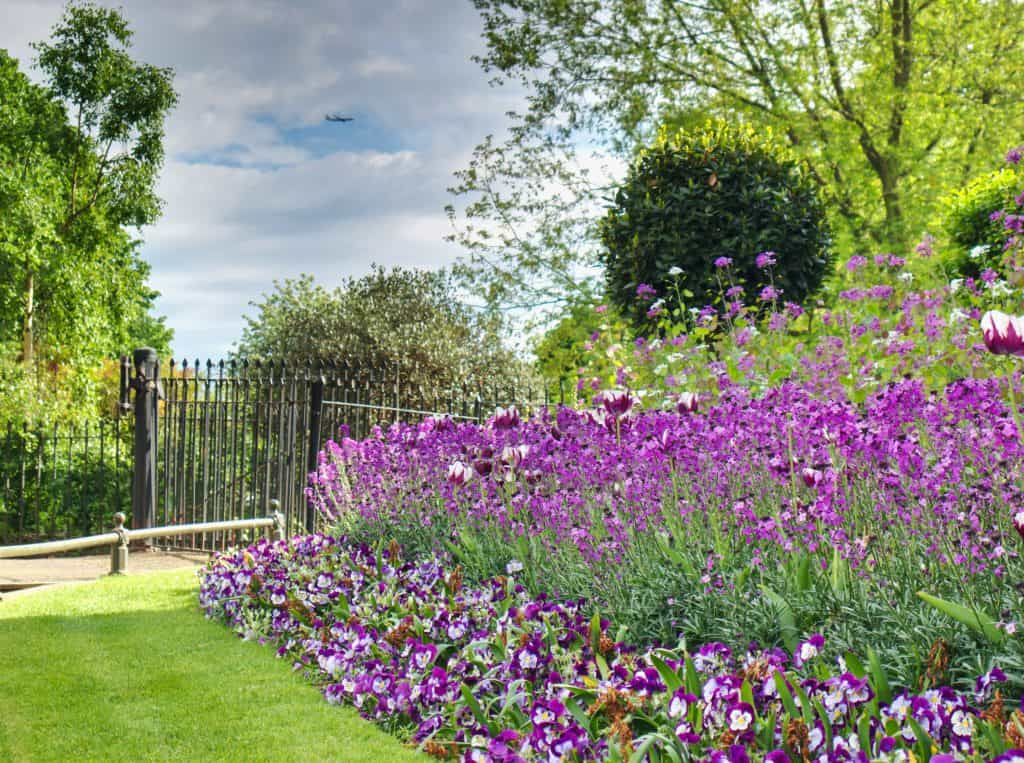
pixel 256 185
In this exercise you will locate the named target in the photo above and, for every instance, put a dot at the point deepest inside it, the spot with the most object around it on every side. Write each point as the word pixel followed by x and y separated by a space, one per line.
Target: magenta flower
pixel 769 293
pixel 723 262
pixel 646 291
pixel 1003 334
pixel 1014 154
pixel 765 259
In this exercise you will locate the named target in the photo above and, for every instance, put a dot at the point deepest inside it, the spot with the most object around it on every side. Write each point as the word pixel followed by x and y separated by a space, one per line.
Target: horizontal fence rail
pixel 121 538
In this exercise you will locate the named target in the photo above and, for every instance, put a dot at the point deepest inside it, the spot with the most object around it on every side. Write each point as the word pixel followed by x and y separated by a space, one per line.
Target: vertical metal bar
pixel 268 428
pixel 53 502
pixel 235 507
pixel 246 477
pixel 83 475
pixel 102 483
pixel 40 445
pixel 21 491
pixel 254 470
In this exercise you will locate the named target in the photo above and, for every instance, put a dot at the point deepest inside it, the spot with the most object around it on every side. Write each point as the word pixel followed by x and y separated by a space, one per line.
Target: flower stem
pixel 1014 409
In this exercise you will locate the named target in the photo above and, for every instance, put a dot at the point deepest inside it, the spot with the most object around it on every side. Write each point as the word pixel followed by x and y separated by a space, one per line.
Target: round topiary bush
pixel 694 198
pixel 978 236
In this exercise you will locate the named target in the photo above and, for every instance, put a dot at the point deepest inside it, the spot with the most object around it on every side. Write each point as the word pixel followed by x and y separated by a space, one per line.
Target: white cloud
pixel 255 188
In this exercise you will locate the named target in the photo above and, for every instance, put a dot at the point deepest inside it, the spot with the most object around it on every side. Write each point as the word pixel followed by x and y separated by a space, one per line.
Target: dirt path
pixel 20 575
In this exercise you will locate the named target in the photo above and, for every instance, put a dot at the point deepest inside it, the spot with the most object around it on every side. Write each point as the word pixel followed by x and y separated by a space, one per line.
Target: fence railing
pixel 120 538
pixel 210 442
pixel 61 481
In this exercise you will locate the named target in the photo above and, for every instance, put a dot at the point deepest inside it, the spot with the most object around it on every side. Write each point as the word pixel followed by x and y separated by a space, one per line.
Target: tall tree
pixel 387 317
pixel 88 148
pixel 887 101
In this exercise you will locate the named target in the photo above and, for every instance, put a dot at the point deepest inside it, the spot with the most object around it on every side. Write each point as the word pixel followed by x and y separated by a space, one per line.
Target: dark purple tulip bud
pixel 483 466
pixel 616 402
pixel 687 402
pixel 459 474
pixel 811 477
pixel 506 418
pixel 1003 334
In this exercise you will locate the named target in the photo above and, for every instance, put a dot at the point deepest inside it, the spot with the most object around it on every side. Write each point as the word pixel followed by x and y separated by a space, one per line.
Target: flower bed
pixel 749 518
pixel 489 673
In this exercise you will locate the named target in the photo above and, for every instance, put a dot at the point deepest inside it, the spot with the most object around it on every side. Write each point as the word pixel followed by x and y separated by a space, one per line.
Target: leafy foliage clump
pixel 410 318
pixel 719 192
pixel 978 239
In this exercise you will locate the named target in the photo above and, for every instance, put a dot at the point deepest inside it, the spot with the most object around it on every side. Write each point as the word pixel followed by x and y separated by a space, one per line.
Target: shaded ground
pixel 18 575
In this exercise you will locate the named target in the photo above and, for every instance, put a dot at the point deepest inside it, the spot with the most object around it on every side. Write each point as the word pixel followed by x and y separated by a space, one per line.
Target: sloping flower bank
pixel 487 673
pixel 932 473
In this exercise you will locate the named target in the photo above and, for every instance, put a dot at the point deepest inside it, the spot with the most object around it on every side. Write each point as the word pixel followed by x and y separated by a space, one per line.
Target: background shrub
pixel 977 240
pixel 720 191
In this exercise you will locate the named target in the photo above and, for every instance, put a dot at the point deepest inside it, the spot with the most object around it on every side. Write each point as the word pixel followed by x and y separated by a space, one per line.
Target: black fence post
pixel 316 408
pixel 146 386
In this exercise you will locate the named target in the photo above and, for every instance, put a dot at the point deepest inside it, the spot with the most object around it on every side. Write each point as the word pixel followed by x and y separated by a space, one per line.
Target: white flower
pixel 906 277
pixel 977 251
pixel 955 285
pixel 999 288
pixel 513 567
pixel 957 315
pixel 675 271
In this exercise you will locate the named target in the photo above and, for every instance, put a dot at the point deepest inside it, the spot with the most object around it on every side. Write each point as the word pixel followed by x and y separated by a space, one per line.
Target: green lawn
pixel 128 669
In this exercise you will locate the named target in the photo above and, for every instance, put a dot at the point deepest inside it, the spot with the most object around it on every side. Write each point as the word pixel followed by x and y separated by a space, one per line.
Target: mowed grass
pixel 129 669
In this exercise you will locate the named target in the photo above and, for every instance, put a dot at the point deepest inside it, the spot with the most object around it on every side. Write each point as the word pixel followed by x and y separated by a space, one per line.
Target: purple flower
pixel 924 248
pixel 459 474
pixel 646 291
pixel 769 293
pixel 1014 154
pixel 723 262
pixel 506 418
pixel 617 403
pixel 687 402
pixel 765 259
pixel 1003 334
pixel 856 262
pixel 1018 522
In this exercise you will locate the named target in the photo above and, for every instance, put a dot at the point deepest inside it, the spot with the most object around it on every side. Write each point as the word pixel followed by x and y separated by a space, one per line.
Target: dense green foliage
pixel 80 661
pixel 888 103
pixel 977 240
pixel 79 159
pixel 387 317
pixel 718 192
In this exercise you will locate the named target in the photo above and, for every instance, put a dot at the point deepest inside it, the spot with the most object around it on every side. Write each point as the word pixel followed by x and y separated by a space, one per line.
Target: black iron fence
pixel 237 440
pixel 226 441
pixel 63 481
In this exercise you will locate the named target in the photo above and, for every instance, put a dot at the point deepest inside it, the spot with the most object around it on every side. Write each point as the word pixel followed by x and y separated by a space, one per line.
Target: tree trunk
pixel 27 337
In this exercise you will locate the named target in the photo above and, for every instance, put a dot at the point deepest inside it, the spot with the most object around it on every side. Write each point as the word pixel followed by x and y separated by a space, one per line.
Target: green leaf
pixel 787 620
pixel 879 681
pixel 474 706
pixel 785 695
pixel 974 619
pixel 854 665
pixel 671 678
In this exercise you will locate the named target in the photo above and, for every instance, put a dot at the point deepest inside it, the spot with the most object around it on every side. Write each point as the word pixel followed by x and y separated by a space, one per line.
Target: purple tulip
pixel 459 474
pixel 506 418
pixel 1003 334
pixel 616 402
pixel 687 402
